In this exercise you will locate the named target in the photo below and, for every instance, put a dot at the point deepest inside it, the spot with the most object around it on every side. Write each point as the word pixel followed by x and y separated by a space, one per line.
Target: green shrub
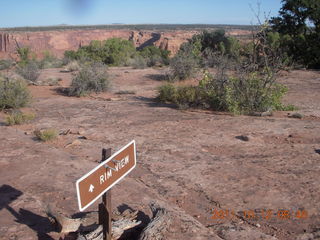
pixel 13 93
pixel 24 54
pixel 182 96
pixel 29 71
pixel 155 55
pixel 167 93
pixel 91 78
pixel 17 118
pixel 113 52
pixel 5 64
pixel 239 95
pixel 183 67
pixel 46 135
pixel 249 94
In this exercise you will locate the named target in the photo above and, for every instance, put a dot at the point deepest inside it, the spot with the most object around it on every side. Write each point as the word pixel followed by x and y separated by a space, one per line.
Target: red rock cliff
pixel 57 42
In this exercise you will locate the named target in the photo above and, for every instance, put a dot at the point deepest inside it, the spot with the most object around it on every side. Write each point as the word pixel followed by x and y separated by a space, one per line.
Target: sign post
pixel 102 178
pixel 105 210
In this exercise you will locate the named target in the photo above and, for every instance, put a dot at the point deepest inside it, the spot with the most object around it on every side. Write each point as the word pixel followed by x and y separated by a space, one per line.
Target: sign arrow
pixel 91 188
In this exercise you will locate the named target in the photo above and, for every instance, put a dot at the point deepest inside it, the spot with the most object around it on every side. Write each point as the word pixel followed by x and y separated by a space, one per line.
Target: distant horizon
pixel 126 24
pixel 39 13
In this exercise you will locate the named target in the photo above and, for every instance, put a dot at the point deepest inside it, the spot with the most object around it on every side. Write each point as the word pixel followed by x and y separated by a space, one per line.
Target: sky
pixel 17 13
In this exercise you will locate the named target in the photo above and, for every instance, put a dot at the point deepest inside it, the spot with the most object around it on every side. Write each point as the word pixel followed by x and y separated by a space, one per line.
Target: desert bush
pixel 13 93
pixel 5 64
pixel 50 61
pixel 24 54
pixel 155 55
pixel 252 93
pixel 167 93
pixel 46 135
pixel 73 66
pixel 186 62
pixel 182 96
pixel 138 62
pixel 17 118
pixel 91 78
pixel 29 71
pixel 113 52
pixel 240 94
pixel 183 66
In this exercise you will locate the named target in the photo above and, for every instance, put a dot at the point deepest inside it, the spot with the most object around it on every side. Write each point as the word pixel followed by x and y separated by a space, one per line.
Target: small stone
pixel 74 143
pixel 243 138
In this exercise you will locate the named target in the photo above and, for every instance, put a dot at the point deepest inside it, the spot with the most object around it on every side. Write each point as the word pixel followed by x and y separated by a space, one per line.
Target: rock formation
pixel 57 42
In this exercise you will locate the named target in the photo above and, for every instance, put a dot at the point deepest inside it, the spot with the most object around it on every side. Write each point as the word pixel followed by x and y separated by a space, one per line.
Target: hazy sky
pixel 78 12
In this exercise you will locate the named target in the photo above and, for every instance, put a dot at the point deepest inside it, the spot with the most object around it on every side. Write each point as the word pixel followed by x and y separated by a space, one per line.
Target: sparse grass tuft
pixel 46 135
pixel 17 118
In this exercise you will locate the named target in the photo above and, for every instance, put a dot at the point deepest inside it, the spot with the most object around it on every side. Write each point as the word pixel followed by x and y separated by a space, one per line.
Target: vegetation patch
pixel 46 135
pixel 6 64
pixel 92 77
pixel 17 118
pixel 29 70
pixel 239 95
pixel 13 93
pixel 50 61
pixel 119 52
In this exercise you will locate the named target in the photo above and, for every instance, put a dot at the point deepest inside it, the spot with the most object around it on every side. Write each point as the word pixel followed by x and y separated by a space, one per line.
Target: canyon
pixel 58 41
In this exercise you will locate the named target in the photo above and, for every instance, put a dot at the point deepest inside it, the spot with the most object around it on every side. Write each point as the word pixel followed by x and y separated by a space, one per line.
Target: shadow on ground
pixel 152 102
pixel 135 232
pixel 158 77
pixel 41 225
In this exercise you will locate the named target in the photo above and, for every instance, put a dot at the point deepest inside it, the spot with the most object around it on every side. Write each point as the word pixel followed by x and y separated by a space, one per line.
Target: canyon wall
pixel 57 42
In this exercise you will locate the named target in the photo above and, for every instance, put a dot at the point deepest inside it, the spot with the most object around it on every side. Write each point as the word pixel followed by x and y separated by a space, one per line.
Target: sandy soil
pixel 193 162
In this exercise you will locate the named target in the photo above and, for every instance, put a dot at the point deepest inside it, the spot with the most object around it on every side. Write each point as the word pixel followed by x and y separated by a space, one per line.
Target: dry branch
pixel 158 225
pixel 125 221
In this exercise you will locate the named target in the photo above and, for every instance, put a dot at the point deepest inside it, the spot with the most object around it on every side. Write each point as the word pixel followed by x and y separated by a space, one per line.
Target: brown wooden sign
pixel 103 177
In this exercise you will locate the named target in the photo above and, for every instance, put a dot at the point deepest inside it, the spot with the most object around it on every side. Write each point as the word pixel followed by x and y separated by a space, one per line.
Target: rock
pixel 295 115
pixel 74 143
pixel 243 138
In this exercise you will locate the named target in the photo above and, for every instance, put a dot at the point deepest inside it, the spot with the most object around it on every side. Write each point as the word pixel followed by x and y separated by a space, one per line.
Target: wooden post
pixel 105 212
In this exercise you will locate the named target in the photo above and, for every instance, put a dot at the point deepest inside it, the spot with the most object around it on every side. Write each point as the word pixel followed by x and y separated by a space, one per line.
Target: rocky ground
pixel 220 176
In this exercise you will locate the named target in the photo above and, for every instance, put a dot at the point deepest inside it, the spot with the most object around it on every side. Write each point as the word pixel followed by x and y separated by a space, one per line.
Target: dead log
pixel 88 228
pixel 159 224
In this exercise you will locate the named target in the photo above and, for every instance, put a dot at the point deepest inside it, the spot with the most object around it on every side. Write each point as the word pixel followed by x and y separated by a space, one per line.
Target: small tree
pixel 299 26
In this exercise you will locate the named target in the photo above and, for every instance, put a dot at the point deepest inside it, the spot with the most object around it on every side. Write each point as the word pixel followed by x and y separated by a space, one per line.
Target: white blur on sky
pixel 15 13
